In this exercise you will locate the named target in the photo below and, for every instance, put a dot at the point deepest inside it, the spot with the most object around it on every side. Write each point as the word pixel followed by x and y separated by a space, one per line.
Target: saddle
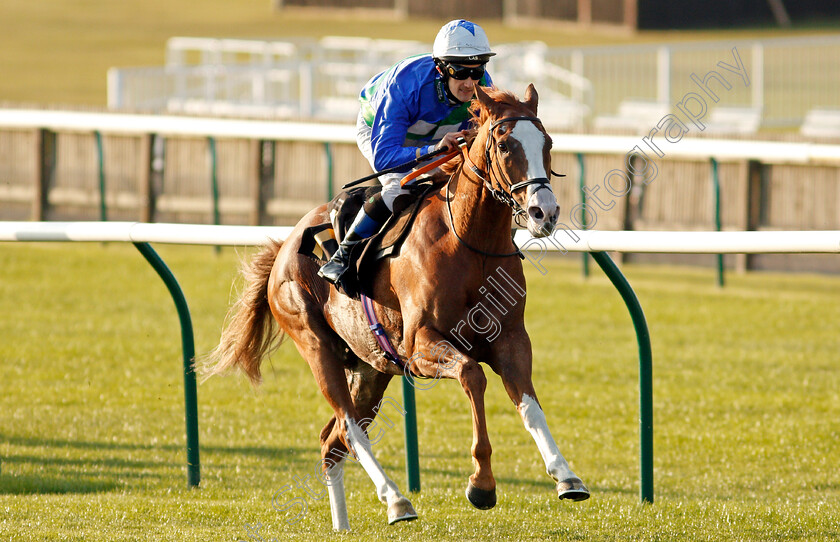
pixel 321 241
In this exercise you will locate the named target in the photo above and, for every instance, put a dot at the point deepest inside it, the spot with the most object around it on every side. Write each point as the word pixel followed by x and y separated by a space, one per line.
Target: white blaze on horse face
pixel 532 141
pixel 534 420
pixel 386 490
pixel 542 204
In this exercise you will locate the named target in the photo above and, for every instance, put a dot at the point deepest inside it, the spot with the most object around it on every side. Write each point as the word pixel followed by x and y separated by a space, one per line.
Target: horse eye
pixel 503 147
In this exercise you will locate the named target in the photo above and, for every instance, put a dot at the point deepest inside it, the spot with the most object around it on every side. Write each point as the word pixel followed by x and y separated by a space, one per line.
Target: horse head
pixel 517 156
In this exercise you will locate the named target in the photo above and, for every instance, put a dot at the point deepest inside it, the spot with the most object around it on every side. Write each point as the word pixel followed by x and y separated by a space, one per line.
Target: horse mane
pixel 501 100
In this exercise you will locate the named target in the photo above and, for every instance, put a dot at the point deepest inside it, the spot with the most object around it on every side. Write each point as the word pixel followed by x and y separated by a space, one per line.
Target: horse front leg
pixel 569 485
pixel 435 357
pixel 514 366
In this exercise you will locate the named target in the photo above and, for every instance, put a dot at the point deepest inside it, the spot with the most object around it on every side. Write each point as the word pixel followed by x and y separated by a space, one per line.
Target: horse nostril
pixel 536 213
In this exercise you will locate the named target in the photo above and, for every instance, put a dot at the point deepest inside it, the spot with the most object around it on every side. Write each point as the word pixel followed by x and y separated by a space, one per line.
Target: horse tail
pixel 250 333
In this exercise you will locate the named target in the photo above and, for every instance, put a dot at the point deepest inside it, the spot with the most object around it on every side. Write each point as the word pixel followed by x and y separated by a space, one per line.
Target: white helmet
pixel 462 41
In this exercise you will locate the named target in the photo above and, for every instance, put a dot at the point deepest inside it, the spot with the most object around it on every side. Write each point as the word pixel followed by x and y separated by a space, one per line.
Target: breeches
pixel 390 181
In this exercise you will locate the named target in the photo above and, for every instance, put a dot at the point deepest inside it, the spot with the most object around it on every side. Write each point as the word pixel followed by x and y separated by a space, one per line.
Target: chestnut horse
pixel 453 297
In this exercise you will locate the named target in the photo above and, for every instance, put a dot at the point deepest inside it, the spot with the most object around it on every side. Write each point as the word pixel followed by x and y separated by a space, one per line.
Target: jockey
pixel 418 105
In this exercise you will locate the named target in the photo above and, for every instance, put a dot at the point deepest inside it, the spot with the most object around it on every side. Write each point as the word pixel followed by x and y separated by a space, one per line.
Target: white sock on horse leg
pixel 534 420
pixel 386 490
pixel 338 504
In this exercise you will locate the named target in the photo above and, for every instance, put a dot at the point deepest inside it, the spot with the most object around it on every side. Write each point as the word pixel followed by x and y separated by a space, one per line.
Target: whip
pixel 410 164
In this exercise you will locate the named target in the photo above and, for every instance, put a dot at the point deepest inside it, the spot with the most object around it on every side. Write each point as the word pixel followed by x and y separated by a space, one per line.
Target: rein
pixel 417 172
pixel 516 252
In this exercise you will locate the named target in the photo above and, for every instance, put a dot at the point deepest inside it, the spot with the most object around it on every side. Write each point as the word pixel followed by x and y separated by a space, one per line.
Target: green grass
pixel 59 51
pixel 746 405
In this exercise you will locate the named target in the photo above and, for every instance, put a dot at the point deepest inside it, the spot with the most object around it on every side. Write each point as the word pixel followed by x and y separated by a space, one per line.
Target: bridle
pixel 502 194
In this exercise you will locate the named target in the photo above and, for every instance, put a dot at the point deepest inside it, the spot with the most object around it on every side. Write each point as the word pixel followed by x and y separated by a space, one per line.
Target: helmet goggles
pixel 459 72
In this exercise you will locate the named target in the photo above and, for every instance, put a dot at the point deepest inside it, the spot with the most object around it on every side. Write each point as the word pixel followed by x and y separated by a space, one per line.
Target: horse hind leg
pixel 367 387
pixel 333 477
pixel 347 430
pixel 399 507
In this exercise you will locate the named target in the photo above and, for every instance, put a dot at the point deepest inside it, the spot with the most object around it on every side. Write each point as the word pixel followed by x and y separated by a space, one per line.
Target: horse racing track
pixel 746 400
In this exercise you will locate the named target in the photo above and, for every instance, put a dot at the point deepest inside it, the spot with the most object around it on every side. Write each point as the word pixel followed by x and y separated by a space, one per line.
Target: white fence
pixel 788 77
pixel 174 125
pixel 133 124
pixel 139 232
pixel 319 80
pixel 751 242
pixel 801 197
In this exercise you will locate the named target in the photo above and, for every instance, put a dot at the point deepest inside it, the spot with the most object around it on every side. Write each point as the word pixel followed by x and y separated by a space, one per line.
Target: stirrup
pixel 362 228
pixel 332 271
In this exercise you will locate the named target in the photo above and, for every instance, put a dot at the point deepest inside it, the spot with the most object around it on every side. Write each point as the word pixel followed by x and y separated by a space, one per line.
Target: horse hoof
pixel 401 510
pixel 481 498
pixel 572 489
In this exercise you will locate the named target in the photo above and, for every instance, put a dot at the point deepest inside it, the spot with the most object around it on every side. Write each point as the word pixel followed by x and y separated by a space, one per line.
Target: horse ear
pixel 531 98
pixel 483 98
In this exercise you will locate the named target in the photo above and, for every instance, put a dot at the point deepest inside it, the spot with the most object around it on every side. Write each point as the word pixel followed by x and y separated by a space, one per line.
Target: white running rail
pixel 749 242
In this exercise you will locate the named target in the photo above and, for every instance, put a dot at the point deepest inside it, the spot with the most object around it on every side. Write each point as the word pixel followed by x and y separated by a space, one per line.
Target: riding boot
pixel 363 227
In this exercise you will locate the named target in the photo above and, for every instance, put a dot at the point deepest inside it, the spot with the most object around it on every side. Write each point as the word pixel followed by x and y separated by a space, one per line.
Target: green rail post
pixel 412 449
pixel 645 372
pixel 188 350
pixel 716 188
pixel 329 155
pixel 100 161
pixel 214 184
pixel 581 186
